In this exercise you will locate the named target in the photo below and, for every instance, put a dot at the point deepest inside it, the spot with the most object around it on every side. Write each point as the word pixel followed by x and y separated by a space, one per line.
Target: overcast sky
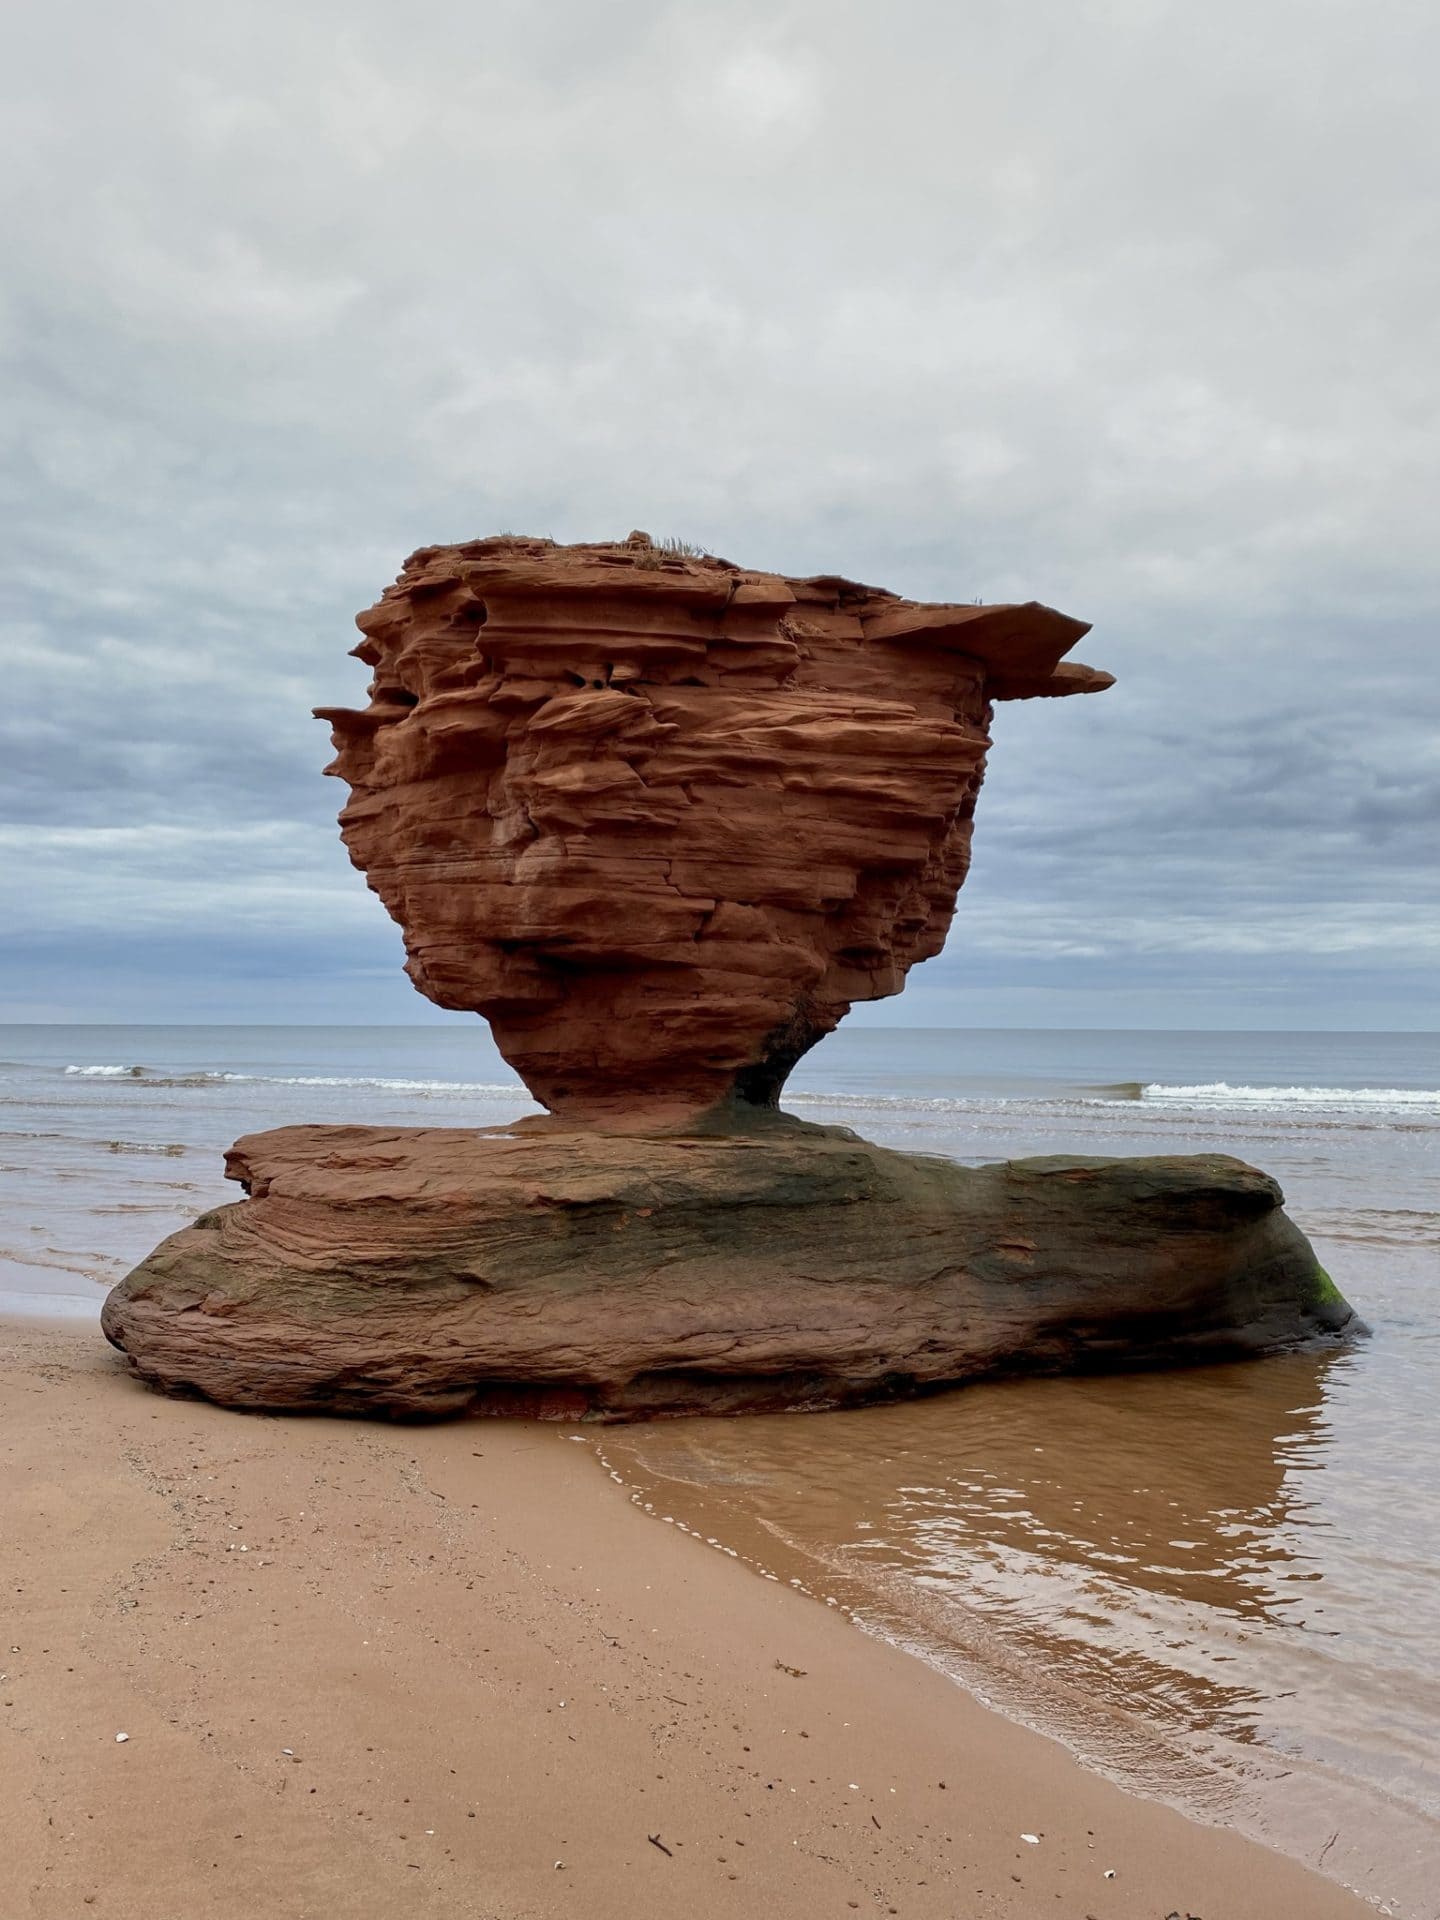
pixel 1123 305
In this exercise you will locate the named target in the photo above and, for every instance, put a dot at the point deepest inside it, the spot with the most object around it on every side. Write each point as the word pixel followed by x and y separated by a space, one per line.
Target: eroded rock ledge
pixel 422 1272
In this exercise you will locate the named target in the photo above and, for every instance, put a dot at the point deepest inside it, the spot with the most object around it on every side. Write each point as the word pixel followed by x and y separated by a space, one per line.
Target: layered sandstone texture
pixel 421 1272
pixel 661 819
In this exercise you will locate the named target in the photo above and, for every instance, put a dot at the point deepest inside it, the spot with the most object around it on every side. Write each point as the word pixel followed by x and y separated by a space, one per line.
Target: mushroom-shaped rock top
pixel 662 820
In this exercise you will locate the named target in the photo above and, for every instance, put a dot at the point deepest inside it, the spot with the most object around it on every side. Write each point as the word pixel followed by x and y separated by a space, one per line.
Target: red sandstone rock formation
pixel 662 820
pixel 422 1271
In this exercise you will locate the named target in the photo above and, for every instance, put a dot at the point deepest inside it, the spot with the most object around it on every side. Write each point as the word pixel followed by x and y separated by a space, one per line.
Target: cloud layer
pixel 1121 304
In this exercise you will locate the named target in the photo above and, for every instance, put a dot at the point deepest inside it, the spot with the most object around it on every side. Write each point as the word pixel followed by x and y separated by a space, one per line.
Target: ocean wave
pixel 149 1077
pixel 1222 1093
pixel 906 1103
pixel 397 1086
pixel 1209 1093
pixel 1215 1093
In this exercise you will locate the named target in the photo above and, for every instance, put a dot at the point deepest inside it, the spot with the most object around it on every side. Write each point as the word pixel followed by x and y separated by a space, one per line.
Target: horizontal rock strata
pixel 420 1272
pixel 661 819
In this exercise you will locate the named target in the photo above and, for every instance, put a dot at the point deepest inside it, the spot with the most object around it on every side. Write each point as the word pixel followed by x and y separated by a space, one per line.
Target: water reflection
pixel 1065 1506
pixel 1157 1567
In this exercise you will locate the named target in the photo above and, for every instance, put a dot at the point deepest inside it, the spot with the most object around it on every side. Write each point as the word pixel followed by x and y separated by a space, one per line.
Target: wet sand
pixel 1183 1575
pixel 371 1671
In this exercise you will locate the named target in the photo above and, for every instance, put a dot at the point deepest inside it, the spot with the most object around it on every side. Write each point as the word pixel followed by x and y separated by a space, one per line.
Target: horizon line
pixel 439 1026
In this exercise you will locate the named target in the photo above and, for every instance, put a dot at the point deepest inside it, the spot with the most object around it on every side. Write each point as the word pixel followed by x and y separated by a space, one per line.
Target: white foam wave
pixel 881 1102
pixel 512 1087
pixel 1210 1093
pixel 202 1078
pixel 1222 1093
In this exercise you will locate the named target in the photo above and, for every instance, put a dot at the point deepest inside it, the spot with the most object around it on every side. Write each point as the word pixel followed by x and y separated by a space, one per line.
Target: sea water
pixel 1221 1585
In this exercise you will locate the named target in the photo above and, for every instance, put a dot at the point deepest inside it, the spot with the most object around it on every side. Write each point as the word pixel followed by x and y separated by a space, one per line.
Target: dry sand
pixel 451 1672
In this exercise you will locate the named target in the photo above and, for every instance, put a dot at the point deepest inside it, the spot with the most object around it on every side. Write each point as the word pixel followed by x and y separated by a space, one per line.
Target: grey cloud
pixel 1124 305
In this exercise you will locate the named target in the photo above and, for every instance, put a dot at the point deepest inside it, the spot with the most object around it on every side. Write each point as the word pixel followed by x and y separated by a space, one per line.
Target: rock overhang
pixel 661 819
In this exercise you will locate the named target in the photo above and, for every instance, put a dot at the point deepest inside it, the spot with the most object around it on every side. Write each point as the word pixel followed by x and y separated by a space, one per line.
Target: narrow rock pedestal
pixel 420 1272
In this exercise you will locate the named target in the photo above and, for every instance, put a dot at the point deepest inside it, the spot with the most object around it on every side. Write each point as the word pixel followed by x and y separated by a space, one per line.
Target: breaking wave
pixel 906 1103
pixel 1215 1093
pixel 1209 1093
pixel 1221 1093
pixel 150 1078
pixel 399 1086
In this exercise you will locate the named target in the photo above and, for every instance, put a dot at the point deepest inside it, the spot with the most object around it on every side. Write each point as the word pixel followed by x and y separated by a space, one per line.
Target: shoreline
pixel 483 1661
pixel 704 1479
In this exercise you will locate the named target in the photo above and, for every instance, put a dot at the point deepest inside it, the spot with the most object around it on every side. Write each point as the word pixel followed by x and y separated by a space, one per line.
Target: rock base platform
pixel 425 1272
